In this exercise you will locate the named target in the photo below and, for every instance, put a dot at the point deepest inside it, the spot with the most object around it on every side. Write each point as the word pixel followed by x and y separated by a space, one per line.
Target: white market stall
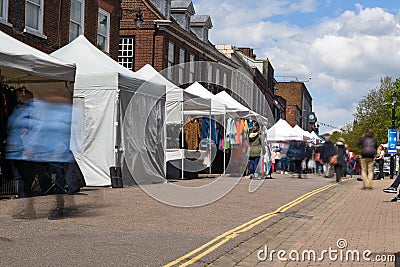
pixel 178 103
pixel 21 63
pixel 119 119
pixel 49 79
pixel 282 131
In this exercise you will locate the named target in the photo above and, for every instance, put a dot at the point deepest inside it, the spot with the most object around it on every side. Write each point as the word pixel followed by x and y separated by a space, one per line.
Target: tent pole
pixel 223 145
pixel 209 146
pixel 183 142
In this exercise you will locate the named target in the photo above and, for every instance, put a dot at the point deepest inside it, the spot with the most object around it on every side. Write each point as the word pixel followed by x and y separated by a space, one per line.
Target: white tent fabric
pixel 177 99
pixel 217 107
pixel 111 110
pixel 235 109
pixel 282 131
pixel 22 62
pixel 315 138
pixel 306 135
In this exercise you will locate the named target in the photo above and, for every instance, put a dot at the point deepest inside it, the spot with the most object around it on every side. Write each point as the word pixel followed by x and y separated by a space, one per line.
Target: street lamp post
pixel 394 101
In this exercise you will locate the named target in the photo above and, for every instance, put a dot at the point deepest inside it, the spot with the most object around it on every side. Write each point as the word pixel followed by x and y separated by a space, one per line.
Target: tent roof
pixel 216 105
pixel 24 63
pixel 231 103
pixel 282 131
pixel 97 71
pixel 89 59
pixel 301 131
pixel 150 74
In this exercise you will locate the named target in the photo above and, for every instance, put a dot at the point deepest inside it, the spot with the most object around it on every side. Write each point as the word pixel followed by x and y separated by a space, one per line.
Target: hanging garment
pixel 245 128
pixel 231 134
pixel 205 129
pixel 192 134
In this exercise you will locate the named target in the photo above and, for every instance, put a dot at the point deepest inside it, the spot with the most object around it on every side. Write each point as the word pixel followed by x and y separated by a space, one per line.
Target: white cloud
pixel 346 55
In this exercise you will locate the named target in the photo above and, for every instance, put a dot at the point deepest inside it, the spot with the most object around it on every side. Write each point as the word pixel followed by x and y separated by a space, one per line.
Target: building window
pixel 171 56
pixel 210 71
pixel 225 80
pixel 3 9
pixel 182 54
pixel 192 68
pixel 103 30
pixel 76 19
pixel 217 76
pixel 126 52
pixel 34 15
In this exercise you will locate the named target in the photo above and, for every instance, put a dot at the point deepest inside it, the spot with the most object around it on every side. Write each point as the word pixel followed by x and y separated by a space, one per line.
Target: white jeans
pixel 326 168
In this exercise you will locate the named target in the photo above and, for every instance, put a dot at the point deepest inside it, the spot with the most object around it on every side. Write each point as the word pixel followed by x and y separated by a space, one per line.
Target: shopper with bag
pixel 326 152
pixel 341 164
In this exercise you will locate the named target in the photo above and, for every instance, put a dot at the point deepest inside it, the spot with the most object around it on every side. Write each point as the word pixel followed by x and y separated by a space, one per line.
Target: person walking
pixel 326 153
pixel 341 165
pixel 255 151
pixel 369 147
pixel 380 160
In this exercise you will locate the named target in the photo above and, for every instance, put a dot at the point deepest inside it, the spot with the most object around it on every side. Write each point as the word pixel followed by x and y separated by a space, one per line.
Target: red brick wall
pixel 291 111
pixel 56 24
pixel 291 91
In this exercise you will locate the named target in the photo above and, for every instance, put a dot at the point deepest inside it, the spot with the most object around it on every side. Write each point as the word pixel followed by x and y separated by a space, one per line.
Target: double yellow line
pixel 207 248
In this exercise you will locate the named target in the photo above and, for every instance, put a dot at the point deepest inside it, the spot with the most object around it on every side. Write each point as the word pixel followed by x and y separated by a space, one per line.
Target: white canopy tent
pixel 217 106
pixel 306 135
pixel 177 100
pixel 178 103
pixel 237 110
pixel 282 131
pixel 23 64
pixel 118 118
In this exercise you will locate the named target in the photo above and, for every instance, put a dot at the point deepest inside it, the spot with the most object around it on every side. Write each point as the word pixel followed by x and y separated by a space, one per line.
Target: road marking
pixel 225 237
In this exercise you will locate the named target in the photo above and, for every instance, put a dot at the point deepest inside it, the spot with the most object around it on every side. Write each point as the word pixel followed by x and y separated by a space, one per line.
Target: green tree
pixel 374 111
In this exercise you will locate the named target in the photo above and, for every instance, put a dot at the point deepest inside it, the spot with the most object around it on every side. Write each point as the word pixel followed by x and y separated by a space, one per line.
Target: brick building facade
pixel 170 34
pixel 298 103
pixel 48 25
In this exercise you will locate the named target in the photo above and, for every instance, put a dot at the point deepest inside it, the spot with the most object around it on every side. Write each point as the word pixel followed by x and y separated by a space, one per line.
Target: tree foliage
pixel 374 112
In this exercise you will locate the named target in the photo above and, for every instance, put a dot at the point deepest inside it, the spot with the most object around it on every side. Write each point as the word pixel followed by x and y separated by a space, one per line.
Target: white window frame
pixel 217 76
pixel 126 52
pixel 81 23
pixel 192 67
pixel 225 80
pixel 182 57
pixel 40 18
pixel 209 73
pixel 107 36
pixel 171 58
pixel 4 14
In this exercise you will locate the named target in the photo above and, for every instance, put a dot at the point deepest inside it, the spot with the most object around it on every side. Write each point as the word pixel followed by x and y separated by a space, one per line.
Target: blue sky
pixel 345 46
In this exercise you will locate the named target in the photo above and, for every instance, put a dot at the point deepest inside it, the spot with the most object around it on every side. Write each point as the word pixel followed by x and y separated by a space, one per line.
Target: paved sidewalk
pixel 344 218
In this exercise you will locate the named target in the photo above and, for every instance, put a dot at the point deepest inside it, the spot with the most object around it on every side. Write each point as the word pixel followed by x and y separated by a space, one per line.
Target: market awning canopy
pixel 282 131
pixel 217 107
pixel 21 62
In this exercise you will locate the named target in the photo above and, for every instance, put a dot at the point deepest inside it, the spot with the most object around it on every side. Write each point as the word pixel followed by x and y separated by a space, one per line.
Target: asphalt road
pixel 126 227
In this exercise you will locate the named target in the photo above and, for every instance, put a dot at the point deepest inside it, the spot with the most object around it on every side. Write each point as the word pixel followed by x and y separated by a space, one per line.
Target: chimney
pixel 200 24
pixel 249 52
pixel 181 11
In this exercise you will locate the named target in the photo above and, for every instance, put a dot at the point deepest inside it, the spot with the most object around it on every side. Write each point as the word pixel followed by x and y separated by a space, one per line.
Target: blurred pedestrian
pixel 341 165
pixel 255 151
pixel 327 152
pixel 380 159
pixel 296 154
pixel 368 146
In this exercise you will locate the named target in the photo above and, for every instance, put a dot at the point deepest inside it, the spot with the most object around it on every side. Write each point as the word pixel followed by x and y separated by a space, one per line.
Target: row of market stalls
pixel 127 124
pixel 120 119
pixel 282 131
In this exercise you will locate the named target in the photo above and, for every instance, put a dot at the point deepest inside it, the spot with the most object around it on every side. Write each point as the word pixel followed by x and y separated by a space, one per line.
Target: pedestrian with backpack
pixel 369 147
